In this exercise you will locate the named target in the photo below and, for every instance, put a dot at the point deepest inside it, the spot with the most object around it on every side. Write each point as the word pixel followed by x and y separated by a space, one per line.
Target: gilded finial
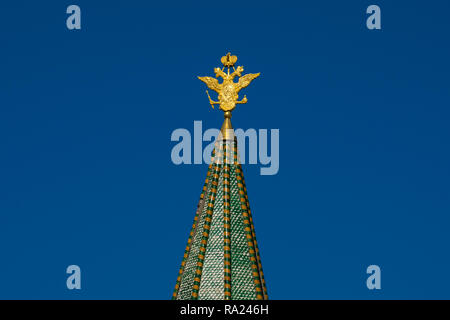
pixel 228 90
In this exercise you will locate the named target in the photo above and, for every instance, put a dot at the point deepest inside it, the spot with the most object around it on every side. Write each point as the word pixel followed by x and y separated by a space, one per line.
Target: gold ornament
pixel 228 90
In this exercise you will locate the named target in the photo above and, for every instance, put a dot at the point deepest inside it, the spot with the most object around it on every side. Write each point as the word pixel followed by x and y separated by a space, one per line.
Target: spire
pixel 221 260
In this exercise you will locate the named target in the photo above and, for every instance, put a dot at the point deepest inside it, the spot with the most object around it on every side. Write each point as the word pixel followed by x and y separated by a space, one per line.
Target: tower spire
pixel 221 260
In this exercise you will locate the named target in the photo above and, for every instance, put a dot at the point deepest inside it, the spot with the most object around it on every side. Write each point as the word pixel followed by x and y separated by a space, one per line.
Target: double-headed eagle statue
pixel 228 90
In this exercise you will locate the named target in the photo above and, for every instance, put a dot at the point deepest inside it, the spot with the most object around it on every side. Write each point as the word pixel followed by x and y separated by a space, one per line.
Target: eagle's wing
pixel 212 83
pixel 244 81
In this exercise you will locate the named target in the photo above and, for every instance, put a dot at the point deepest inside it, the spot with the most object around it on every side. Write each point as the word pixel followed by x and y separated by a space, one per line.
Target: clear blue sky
pixel 85 123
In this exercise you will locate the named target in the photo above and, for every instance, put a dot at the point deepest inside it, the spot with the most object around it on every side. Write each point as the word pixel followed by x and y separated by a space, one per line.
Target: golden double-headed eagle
pixel 228 90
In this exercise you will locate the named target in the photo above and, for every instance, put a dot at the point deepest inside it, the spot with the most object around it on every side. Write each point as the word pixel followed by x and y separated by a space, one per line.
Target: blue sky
pixel 86 118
